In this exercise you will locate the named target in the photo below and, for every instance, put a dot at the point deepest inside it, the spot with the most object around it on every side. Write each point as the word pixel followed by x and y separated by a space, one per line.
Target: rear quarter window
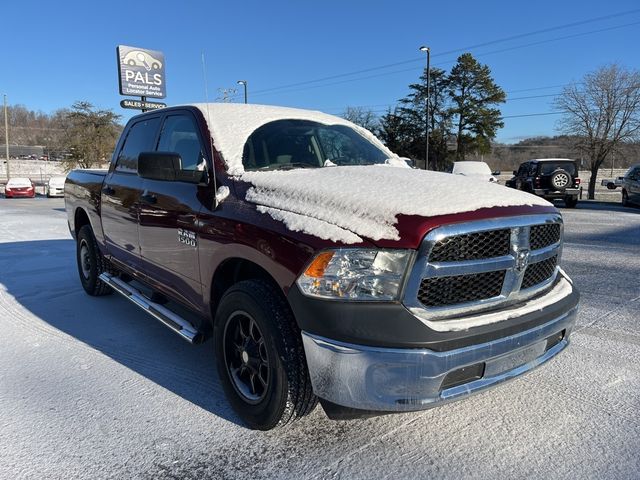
pixel 140 138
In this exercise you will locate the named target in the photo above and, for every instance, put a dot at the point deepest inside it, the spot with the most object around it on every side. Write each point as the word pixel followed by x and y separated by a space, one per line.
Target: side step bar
pixel 176 323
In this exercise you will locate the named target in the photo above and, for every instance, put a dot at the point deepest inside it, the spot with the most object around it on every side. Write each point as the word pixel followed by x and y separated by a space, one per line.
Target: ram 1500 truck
pixel 321 265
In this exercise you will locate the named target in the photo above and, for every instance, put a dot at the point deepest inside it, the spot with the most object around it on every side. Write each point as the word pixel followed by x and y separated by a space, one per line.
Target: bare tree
pixel 361 116
pixel 602 112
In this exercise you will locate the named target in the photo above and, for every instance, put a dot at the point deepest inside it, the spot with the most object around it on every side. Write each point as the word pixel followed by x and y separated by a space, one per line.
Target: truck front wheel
pixel 91 263
pixel 260 357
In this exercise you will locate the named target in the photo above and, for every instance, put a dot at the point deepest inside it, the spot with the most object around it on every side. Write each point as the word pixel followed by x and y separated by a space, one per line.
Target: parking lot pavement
pixel 92 388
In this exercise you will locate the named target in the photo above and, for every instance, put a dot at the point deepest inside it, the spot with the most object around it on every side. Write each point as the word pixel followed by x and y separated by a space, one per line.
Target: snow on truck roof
pixel 231 124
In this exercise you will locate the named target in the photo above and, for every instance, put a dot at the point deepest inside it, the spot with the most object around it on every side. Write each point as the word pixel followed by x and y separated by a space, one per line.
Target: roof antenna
pixel 222 192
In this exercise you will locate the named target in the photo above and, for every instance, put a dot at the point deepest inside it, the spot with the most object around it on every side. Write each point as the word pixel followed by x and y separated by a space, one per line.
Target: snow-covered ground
pixel 93 388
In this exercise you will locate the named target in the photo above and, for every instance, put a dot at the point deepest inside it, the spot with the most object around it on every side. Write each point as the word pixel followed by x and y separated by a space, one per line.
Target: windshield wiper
pixel 287 166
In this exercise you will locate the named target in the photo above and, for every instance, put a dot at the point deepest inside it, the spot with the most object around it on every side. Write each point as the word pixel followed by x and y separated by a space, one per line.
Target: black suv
pixel 550 178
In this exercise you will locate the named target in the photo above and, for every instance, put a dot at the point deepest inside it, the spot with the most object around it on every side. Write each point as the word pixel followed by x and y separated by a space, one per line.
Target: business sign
pixel 140 105
pixel 141 72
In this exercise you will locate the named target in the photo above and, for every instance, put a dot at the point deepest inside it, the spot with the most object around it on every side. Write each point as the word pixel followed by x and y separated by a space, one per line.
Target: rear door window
pixel 140 138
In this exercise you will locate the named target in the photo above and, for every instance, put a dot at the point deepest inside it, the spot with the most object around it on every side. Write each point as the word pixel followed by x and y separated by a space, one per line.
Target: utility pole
pixel 6 133
pixel 427 50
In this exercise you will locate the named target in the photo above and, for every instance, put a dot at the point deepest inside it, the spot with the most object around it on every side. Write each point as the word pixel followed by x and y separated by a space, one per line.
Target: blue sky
pixel 54 53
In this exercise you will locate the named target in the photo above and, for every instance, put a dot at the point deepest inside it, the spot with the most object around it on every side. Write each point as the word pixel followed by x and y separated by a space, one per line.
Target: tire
pixel 625 198
pixel 560 180
pixel 260 357
pixel 91 263
pixel 571 201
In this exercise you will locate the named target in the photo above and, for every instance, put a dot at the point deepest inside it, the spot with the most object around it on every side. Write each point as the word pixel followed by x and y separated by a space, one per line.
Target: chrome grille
pixel 544 235
pixel 539 272
pixel 472 246
pixel 436 292
pixel 471 267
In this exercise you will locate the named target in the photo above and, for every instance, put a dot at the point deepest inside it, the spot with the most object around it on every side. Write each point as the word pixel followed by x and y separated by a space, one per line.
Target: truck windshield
pixel 285 144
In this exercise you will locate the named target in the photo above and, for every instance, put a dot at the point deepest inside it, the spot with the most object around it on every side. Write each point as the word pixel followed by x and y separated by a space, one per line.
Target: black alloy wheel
pixel 91 263
pixel 260 357
pixel 246 357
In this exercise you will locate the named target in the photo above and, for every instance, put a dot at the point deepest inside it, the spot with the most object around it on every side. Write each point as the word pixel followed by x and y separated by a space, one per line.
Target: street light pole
pixel 427 50
pixel 244 84
pixel 6 133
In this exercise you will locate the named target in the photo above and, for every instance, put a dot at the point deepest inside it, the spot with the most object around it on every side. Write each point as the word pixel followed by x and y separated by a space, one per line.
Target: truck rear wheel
pixel 260 357
pixel 91 263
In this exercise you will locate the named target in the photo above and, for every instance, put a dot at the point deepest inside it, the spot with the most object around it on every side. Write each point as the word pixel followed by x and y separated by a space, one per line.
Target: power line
pixel 272 91
pixel 480 45
pixel 558 112
pixel 369 107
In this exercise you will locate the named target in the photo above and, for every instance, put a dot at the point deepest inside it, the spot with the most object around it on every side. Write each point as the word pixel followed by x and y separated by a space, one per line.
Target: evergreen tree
pixel 474 96
pixel 413 112
pixel 90 134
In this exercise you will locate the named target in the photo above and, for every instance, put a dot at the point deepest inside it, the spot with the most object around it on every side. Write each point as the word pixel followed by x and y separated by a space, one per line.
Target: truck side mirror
pixel 159 165
pixel 496 173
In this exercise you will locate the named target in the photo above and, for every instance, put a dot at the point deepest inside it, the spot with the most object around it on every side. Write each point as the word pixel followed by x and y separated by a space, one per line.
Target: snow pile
pixel 231 124
pixel 396 162
pixel 312 226
pixel 18 182
pixel 366 200
pixel 222 193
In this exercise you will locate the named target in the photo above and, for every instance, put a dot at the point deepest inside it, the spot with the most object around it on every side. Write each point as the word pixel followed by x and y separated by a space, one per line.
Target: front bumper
pixel 14 194
pixel 404 379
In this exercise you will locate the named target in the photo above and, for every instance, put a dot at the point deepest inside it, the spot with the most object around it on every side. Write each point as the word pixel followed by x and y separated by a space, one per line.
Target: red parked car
pixel 19 187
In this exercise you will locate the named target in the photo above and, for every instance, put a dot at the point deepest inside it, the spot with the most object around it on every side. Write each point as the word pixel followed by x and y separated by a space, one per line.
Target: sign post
pixel 141 73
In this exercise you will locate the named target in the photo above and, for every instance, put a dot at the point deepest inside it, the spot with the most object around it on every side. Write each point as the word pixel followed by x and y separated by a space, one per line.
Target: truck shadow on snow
pixel 42 277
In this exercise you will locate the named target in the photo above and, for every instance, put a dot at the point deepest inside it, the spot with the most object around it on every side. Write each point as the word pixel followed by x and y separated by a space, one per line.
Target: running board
pixel 170 319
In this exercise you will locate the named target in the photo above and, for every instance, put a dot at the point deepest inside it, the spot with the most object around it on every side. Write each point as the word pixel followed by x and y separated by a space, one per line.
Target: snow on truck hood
pixel 348 204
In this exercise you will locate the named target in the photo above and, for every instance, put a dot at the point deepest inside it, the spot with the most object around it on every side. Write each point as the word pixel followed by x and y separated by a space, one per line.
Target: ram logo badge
pixel 187 237
pixel 522 260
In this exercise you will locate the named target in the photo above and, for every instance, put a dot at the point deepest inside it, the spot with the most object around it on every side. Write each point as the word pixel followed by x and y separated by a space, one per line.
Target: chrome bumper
pixel 387 379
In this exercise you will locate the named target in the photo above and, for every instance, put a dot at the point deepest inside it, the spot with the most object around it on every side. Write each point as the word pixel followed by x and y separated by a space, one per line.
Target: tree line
pixel 599 120
pixel 80 136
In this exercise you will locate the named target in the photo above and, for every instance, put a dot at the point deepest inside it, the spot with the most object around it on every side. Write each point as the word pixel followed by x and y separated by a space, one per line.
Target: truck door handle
pixel 108 191
pixel 149 198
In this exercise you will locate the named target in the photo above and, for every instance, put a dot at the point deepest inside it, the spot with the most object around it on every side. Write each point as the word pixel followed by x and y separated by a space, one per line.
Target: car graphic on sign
pixel 142 59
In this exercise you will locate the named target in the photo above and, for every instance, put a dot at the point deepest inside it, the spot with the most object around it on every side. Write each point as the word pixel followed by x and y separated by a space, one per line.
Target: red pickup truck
pixel 321 265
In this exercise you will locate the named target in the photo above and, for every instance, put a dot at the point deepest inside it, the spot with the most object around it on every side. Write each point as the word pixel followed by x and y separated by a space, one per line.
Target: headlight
pixel 356 274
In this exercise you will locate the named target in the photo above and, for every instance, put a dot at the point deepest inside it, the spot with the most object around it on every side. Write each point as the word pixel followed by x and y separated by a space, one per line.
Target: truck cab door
pixel 120 195
pixel 169 213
